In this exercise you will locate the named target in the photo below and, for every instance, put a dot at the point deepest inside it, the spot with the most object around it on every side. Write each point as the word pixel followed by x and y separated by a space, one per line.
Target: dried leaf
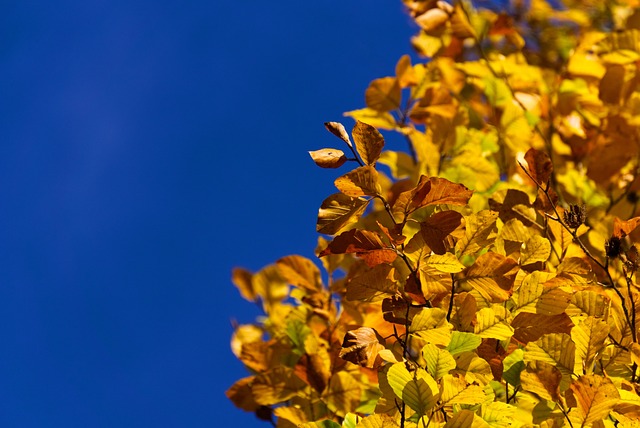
pixel 337 129
pixel 594 396
pixel 436 191
pixel 328 158
pixel 369 142
pixel 492 276
pixel 622 228
pixel 361 346
pixel 437 229
pixel 539 165
pixel 362 243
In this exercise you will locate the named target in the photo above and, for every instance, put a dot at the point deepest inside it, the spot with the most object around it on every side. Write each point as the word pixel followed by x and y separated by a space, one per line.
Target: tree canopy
pixel 486 276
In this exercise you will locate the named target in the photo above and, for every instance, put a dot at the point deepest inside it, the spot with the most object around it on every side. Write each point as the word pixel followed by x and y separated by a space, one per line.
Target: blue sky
pixel 147 148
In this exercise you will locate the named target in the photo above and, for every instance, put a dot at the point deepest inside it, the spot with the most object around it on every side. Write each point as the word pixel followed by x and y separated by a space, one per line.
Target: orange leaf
pixel 436 190
pixel 300 272
pixel 369 142
pixel 240 394
pixel 328 158
pixel 364 244
pixel 594 396
pixel 361 346
pixel 623 228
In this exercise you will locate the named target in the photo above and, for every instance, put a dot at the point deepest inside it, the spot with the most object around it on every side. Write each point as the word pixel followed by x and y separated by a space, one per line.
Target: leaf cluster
pixel 488 275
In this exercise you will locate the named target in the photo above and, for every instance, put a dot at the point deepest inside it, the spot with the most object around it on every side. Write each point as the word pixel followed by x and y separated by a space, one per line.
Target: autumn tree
pixel 487 275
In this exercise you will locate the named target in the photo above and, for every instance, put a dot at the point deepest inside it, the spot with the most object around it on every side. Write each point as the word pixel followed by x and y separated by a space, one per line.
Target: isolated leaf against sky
pixel 328 158
pixel 339 211
pixel 362 181
pixel 338 129
pixel 242 279
pixel 361 346
pixel 383 94
pixel 364 244
pixel 593 396
pixel 373 285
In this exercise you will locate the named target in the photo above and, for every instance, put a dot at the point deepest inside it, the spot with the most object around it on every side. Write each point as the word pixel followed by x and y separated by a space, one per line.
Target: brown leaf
pixel 383 94
pixel 395 310
pixel 492 275
pixel 414 289
pixel 328 158
pixel 361 181
pixel 539 165
pixel 436 190
pixel 338 211
pixel 437 228
pixel 373 285
pixel 240 394
pixel 364 244
pixel 531 327
pixel 369 142
pixel 243 280
pixel 337 129
pixel 361 346
pixel 313 370
pixel 622 228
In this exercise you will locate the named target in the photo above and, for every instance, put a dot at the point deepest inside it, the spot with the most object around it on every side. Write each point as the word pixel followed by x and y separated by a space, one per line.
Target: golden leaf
pixel 328 158
pixel 431 325
pixel 364 244
pixel 594 396
pixel 383 94
pixel 491 324
pixel 437 228
pixel 439 361
pixel 379 119
pixel 492 275
pixel 338 211
pixel 418 389
pixel 447 263
pixel 479 229
pixel 300 272
pixel 556 349
pixel 543 379
pixel 405 73
pixel 373 285
pixel 530 327
pixel 589 337
pixel 361 181
pixel 343 394
pixel 361 346
pixel 276 386
pixel 369 142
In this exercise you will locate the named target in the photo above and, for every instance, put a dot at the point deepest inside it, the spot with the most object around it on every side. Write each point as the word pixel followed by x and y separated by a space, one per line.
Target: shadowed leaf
pixel 339 211
pixel 361 346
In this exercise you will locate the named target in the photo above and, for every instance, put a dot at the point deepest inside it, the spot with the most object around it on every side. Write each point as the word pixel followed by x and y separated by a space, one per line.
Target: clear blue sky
pixel 146 148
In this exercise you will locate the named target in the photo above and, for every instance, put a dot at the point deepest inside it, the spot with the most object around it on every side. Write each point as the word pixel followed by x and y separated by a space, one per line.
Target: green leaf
pixel 463 342
pixel 417 389
pixel 439 361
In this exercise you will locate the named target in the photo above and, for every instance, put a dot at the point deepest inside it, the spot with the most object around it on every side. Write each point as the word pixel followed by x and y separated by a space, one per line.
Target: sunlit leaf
pixel 373 285
pixel 492 325
pixel 439 361
pixel 241 395
pixel 589 337
pixel 361 346
pixel 343 393
pixel 431 325
pixel 595 396
pixel 363 243
pixel 438 227
pixel 383 94
pixel 446 262
pixel 339 211
pixel 361 181
pixel 276 386
pixel 379 119
pixel 492 276
pixel 337 129
pixel 543 379
pixel 417 389
pixel 300 272
pixel 328 158
pixel 463 342
pixel 478 231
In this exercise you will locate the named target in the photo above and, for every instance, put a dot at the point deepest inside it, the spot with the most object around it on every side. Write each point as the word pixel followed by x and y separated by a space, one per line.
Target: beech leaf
pixel 383 94
pixel 361 181
pixel 363 243
pixel 369 142
pixel 361 346
pixel 338 129
pixel 328 158
pixel 339 211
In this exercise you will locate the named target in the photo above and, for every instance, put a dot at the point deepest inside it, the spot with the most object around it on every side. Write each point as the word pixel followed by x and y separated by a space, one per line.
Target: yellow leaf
pixel 276 386
pixel 339 211
pixel 343 393
pixel 369 142
pixel 431 325
pixel 379 119
pixel 556 349
pixel 378 421
pixel 300 272
pixel 417 389
pixel 361 181
pixel 240 394
pixel 589 337
pixel 456 390
pixel 517 131
pixel 584 64
pixel 246 333
pixel 243 280
pixel 432 20
pixel 536 297
pixel 466 419
pixel 383 94
pixel 492 325
pixel 446 262
pixel 492 276
pixel 439 361
pixel 463 342
pixel 405 73
pixel 400 163
pixel 373 285
pixel 479 230
pixel 535 249
pixel 328 158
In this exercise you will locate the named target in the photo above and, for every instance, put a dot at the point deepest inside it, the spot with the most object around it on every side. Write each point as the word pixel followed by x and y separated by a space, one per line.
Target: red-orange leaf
pixel 361 346
pixel 540 166
pixel 364 244
pixel 622 228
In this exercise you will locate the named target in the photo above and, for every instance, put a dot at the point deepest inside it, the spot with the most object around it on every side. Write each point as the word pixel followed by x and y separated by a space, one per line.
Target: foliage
pixel 487 277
